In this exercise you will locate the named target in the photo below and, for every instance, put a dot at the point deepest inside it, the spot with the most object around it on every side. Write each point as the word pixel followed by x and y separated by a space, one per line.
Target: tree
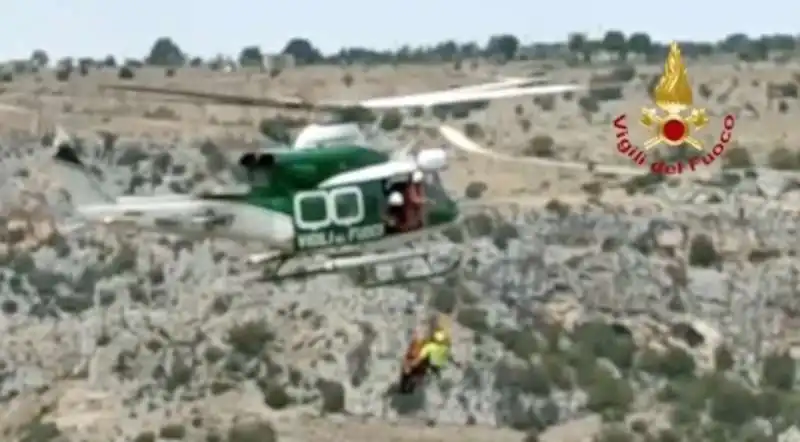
pixel 639 43
pixel 614 41
pixel 447 50
pixel 470 49
pixel 165 53
pixel 303 51
pixel 755 50
pixel 780 42
pixel 576 43
pixel 110 61
pixel 251 56
pixel 734 43
pixel 40 58
pixel 505 45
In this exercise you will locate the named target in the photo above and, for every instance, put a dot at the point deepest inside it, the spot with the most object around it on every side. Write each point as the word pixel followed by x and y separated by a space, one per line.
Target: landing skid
pixel 363 268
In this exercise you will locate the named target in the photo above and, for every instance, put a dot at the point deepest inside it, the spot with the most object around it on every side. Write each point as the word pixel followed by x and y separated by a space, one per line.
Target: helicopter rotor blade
pixel 218 98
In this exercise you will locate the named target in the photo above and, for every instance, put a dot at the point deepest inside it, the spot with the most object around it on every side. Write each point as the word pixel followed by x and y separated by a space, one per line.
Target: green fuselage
pixel 336 215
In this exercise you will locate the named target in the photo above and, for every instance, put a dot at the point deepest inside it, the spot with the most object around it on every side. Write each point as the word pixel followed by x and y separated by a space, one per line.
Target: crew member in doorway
pixel 395 216
pixel 415 200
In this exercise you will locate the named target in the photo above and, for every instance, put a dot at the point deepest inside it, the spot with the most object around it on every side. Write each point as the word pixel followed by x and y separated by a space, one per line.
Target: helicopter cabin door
pixel 404 210
pixel 339 216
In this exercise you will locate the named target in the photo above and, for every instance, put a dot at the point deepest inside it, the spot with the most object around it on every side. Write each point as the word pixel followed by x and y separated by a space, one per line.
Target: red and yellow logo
pixel 673 122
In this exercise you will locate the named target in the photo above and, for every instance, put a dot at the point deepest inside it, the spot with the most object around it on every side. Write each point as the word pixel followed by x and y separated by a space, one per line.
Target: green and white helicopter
pixel 324 197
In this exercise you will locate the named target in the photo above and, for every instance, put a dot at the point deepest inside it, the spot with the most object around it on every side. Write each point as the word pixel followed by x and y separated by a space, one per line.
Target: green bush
pixel 250 338
pixel 668 435
pixel 333 396
pixel 473 318
pixel 252 431
pixel 614 433
pixel 732 403
pixel 605 341
pixel 782 158
pixel 737 157
pixel 475 189
pixel 609 396
pixel 521 342
pixel 702 252
pixel 125 73
pixel 558 371
pixel 542 146
pixel 682 416
pixel 391 120
pixel 503 234
pixel 723 359
pixel 778 371
pixel 526 377
pixel 675 363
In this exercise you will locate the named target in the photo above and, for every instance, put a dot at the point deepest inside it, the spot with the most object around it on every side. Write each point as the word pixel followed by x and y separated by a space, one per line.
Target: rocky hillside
pixel 664 317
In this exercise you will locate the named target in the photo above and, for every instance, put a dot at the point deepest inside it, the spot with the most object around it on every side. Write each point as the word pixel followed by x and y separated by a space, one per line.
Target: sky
pixel 127 29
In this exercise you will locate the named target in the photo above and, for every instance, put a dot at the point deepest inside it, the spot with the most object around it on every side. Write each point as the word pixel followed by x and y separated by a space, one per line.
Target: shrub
pixel 542 146
pixel 38 431
pixel 609 396
pixel 560 208
pixel 172 431
pixel 675 363
pixel 252 431
pixel 723 359
pixel 6 77
pixel 479 225
pixel 704 91
pixel 503 234
pixel 546 103
pixel 333 396
pixel 473 318
pixel 145 436
pixel 475 189
pixel 639 426
pixel 644 183
pixel 347 79
pixel 623 74
pixel 589 105
pixel 558 371
pixel 605 341
pixel 444 299
pixel 614 433
pixel 737 157
pixel 522 377
pixel 275 396
pixel 778 371
pixel 732 403
pixel 521 342
pixel 474 131
pixel 125 73
pixel 250 338
pixel 392 120
pixel 63 74
pixel 702 252
pixel 782 158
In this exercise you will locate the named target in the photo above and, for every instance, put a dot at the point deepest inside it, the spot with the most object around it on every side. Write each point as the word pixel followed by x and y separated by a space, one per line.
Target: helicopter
pixel 327 195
